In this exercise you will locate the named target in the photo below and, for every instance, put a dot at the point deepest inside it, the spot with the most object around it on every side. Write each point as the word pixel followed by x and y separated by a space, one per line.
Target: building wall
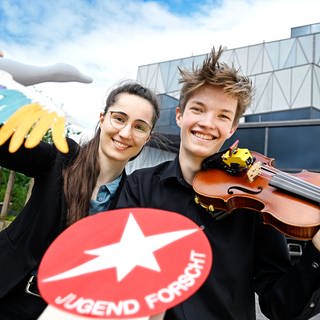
pixel 286 73
pixel 286 76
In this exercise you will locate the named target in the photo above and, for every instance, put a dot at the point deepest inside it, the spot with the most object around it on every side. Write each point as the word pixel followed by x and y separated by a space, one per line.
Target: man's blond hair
pixel 217 74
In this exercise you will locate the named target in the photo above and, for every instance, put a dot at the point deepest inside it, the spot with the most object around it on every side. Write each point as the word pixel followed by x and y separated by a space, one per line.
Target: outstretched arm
pixel 27 75
pixel 25 116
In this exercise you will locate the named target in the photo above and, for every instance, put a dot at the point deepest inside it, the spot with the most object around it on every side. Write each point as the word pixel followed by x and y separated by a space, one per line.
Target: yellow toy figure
pixel 26 115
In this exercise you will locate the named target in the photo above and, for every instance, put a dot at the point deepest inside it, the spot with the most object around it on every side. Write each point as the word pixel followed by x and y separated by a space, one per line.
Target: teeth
pixel 203 136
pixel 120 145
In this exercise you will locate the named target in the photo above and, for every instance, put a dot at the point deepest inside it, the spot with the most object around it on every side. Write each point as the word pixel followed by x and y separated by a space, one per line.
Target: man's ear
pixel 232 131
pixel 178 116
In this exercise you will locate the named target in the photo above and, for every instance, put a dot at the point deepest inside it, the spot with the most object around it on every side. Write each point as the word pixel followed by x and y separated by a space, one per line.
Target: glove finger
pixel 58 134
pixel 18 117
pixel 40 129
pixel 22 130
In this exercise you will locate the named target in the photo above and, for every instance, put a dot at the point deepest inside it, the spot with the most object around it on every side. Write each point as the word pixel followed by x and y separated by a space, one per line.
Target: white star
pixel 134 249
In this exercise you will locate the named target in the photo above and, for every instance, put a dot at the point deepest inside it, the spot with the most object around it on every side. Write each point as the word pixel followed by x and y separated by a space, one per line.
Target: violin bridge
pixel 254 171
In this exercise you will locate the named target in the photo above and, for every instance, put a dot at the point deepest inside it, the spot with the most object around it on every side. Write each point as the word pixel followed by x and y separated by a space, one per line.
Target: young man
pixel 248 256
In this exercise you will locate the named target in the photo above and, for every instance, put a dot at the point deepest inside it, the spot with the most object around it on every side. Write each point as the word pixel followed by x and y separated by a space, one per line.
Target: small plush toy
pixel 27 115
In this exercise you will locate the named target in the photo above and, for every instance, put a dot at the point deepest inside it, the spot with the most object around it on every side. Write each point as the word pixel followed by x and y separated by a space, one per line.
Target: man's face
pixel 206 122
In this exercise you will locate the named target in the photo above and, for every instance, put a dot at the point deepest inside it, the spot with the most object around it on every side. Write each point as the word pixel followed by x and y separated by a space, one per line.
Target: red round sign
pixel 125 263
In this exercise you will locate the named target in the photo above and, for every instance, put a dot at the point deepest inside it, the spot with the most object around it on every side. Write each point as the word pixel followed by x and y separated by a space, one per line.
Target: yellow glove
pixel 26 119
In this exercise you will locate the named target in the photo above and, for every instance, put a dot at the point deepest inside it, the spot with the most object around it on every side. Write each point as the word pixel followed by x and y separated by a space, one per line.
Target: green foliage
pixel 69 132
pixel 19 193
pixel 11 217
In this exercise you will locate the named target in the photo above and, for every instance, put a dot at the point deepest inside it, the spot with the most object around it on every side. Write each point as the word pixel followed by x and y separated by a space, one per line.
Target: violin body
pixel 293 215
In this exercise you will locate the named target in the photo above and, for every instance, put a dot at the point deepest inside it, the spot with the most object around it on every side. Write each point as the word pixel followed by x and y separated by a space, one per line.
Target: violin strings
pixel 292 178
pixel 299 181
pixel 293 188
pixel 295 185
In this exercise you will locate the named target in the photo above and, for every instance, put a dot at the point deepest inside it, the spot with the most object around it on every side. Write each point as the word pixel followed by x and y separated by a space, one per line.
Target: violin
pixel 288 202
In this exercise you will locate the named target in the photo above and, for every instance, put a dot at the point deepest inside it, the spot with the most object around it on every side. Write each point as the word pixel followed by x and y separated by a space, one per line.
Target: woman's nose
pixel 126 131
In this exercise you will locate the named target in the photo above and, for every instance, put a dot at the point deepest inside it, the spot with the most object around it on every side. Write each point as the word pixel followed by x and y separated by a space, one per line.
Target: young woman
pixel 68 187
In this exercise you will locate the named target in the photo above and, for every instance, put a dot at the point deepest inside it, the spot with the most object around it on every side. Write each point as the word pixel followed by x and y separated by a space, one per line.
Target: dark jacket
pixel 24 242
pixel 248 256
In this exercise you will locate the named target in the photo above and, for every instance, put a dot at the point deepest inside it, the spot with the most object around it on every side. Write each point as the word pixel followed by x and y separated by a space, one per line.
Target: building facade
pixel 286 73
pixel 284 117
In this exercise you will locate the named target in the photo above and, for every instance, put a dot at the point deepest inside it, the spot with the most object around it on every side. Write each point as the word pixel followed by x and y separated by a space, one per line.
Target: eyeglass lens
pixel 119 120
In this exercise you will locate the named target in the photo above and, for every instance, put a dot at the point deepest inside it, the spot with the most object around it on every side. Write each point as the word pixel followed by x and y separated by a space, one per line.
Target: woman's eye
pixel 119 119
pixel 141 127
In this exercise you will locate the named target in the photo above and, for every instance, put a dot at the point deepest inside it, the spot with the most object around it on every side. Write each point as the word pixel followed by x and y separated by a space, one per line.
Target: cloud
pixel 108 40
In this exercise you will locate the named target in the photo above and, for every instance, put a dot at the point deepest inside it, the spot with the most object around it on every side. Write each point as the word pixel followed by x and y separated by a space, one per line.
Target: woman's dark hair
pixel 81 176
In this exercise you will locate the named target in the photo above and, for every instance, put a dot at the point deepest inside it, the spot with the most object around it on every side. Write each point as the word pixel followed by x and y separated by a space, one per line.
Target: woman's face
pixel 125 128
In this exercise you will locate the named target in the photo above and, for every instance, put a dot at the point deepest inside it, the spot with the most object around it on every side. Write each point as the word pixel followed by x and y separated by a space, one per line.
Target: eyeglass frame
pixel 136 132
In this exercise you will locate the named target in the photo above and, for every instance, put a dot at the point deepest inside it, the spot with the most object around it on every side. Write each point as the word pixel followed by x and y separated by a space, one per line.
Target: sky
pixel 108 39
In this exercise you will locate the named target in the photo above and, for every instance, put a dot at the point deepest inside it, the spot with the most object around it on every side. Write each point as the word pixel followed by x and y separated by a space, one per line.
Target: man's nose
pixel 207 120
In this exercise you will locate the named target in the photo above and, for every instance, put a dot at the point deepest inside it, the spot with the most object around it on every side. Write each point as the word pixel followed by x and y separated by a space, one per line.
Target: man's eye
pixel 195 109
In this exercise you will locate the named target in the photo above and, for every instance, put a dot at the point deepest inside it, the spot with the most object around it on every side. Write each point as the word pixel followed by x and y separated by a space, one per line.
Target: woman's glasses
pixel 120 120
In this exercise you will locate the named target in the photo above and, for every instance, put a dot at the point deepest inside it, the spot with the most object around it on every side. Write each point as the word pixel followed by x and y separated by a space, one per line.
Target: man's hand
pixel 316 240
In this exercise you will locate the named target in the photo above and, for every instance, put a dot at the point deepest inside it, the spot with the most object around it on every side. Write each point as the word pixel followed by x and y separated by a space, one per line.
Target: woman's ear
pixel 101 120
pixel 148 139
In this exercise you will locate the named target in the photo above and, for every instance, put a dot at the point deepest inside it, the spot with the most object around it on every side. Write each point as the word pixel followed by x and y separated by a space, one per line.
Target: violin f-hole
pixel 245 190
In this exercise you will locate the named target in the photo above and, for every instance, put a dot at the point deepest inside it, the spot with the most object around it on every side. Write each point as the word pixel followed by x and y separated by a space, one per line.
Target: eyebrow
pixel 123 113
pixel 204 105
pixel 227 111
pixel 198 102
